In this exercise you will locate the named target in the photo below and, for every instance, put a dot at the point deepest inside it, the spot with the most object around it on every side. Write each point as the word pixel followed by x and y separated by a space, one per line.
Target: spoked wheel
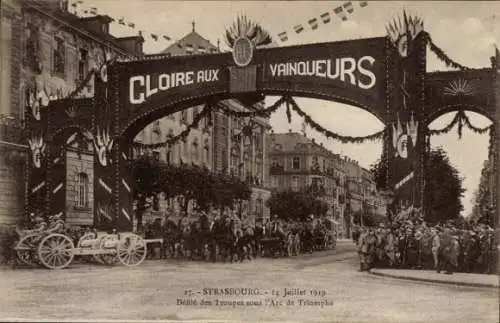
pixel 26 249
pixel 56 251
pixel 132 250
pixel 88 240
pixel 108 242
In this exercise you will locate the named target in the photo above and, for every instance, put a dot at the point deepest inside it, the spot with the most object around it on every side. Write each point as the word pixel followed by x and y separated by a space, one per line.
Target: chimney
pixel 133 44
pixel 98 24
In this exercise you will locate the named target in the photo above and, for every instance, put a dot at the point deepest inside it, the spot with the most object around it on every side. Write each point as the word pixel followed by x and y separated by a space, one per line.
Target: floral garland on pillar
pixel 331 135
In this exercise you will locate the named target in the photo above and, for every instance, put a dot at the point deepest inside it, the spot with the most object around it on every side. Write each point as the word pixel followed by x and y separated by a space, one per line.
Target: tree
pixel 147 173
pixel 295 205
pixel 483 210
pixel 443 186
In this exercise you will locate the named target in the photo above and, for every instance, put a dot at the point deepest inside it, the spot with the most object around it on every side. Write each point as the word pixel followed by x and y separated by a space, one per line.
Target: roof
pixel 192 43
pixel 52 9
pixel 291 141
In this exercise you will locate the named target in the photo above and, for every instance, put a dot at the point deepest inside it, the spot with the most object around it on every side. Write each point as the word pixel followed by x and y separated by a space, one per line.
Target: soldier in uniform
pixel 445 252
pixel 366 249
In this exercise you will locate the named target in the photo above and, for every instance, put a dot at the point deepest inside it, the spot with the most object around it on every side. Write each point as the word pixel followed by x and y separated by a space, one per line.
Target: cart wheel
pixel 132 250
pixel 108 259
pixel 26 249
pixel 56 251
pixel 91 238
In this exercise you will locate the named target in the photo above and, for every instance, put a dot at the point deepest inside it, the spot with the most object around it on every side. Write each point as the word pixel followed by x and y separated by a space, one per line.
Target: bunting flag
pixel 189 48
pixel 131 25
pixel 155 37
pixel 348 7
pixel 166 37
pixel 325 17
pixel 80 1
pixel 121 21
pixel 313 23
pixel 73 4
pixel 93 10
pixel 85 12
pixel 363 4
pixel 340 12
pixel 283 36
pixel 298 29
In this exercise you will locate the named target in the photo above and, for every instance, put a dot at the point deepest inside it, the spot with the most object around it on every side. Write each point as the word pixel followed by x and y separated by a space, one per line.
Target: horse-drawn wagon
pixel 54 249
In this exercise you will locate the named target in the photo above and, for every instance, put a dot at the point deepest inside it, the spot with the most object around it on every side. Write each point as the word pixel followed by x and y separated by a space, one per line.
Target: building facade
pixel 298 162
pixel 229 145
pixel 46 50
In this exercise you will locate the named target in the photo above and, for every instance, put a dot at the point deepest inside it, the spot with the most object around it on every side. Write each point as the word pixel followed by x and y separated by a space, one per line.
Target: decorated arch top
pixel 351 72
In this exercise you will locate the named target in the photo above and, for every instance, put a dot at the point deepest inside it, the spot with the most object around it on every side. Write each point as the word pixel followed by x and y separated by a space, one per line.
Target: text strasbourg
pixel 345 69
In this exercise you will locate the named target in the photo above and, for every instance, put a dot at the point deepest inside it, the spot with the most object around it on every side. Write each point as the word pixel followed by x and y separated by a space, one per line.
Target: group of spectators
pixel 413 244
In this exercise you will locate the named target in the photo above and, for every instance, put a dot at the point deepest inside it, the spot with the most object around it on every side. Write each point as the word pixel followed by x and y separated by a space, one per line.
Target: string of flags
pixel 78 9
pixel 342 11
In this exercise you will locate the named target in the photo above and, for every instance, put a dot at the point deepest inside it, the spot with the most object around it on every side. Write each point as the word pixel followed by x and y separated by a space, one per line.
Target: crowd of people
pixel 409 242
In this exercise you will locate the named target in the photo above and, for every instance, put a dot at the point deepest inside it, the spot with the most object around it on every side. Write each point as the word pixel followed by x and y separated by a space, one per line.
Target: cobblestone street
pixel 151 292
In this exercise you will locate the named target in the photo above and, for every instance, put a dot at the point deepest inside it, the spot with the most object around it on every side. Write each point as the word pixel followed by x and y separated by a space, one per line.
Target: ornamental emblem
pixel 401 33
pixel 401 137
pixel 37 147
pixel 242 51
pixel 103 144
pixel 459 87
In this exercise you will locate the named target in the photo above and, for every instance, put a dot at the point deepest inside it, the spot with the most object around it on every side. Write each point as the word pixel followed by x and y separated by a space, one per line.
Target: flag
pixel 155 37
pixel 166 37
pixel 93 10
pixel 121 21
pixel 73 4
pixel 298 29
pixel 325 17
pixel 85 11
pixel 340 12
pixel 80 1
pixel 313 23
pixel 283 36
pixel 348 7
pixel 363 4
pixel 131 25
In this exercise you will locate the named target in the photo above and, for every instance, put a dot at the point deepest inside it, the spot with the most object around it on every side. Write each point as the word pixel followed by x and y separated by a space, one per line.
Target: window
pixel 206 152
pixel 296 163
pixel 169 153
pixel 59 57
pixel 82 64
pixel 156 155
pixel 259 208
pixel 275 162
pixel 316 182
pixel 184 116
pixel 82 190
pixel 274 181
pixel 194 151
pixel 5 65
pixel 295 183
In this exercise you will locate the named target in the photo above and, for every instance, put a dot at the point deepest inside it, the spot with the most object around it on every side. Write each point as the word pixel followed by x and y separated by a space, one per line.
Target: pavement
pixel 331 289
pixel 459 279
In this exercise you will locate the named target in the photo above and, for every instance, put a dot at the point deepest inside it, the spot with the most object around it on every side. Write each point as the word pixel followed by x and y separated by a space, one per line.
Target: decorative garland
pixel 343 139
pixel 441 54
pixel 207 112
pixel 462 120
pixel 252 114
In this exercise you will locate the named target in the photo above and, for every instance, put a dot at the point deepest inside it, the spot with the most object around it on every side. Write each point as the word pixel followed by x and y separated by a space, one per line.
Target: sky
pixel 466 31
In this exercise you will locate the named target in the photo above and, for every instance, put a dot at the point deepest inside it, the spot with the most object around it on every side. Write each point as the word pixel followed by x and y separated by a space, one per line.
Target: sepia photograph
pixel 249 161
